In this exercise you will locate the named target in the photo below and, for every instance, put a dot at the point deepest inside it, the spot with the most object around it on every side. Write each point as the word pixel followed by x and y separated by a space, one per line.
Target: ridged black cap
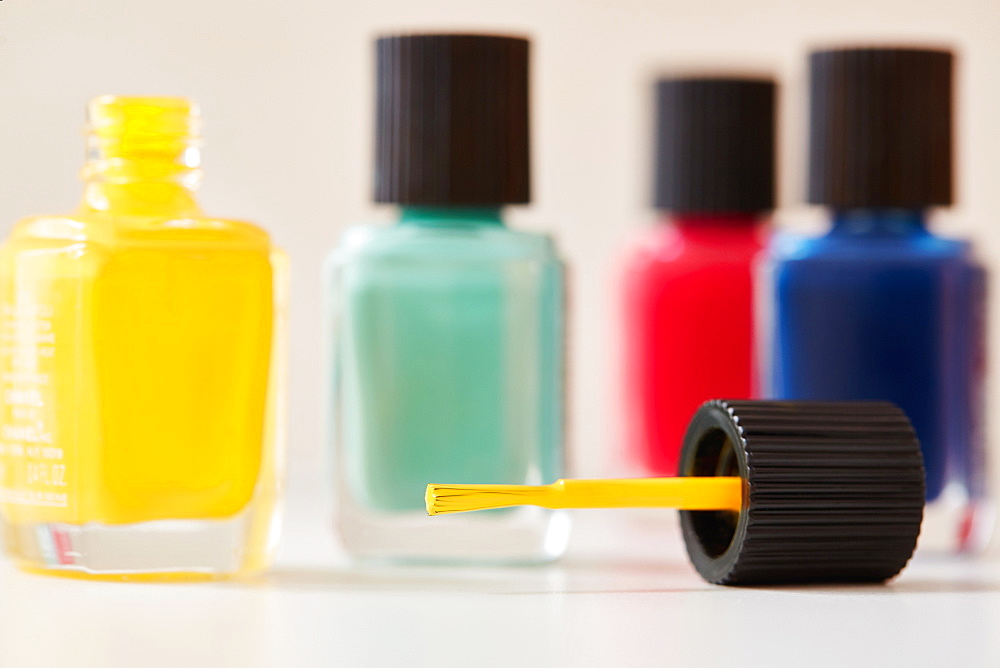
pixel 714 145
pixel 834 492
pixel 880 128
pixel 452 120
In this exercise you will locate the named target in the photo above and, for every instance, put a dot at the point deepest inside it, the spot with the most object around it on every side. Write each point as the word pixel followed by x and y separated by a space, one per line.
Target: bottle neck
pixel 879 223
pixel 713 227
pixel 451 216
pixel 140 198
pixel 142 186
pixel 143 157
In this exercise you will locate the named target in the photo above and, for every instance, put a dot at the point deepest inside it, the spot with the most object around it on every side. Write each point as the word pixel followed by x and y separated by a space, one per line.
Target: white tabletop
pixel 624 596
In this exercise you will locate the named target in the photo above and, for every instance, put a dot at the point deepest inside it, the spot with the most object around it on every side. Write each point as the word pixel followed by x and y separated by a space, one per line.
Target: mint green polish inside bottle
pixel 448 338
pixel 454 324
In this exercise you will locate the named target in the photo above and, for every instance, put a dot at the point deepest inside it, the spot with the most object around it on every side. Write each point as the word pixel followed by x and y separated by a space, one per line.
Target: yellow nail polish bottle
pixel 140 367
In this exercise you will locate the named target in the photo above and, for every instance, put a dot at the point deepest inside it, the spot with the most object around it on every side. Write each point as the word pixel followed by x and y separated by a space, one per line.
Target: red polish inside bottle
pixel 689 326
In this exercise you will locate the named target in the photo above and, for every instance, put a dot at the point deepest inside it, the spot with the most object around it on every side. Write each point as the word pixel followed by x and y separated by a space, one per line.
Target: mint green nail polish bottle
pixel 447 328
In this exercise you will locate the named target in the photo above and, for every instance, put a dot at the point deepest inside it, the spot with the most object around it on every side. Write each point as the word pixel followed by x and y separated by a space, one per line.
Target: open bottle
pixel 141 372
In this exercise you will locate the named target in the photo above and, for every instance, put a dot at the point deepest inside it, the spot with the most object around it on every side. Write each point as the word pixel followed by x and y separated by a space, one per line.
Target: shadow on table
pixel 920 586
pixel 569 577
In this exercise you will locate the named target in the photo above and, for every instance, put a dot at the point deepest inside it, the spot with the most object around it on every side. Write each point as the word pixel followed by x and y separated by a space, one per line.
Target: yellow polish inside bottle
pixel 139 367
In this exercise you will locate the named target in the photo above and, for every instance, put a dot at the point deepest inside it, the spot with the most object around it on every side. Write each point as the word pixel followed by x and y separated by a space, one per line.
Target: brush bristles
pixel 442 499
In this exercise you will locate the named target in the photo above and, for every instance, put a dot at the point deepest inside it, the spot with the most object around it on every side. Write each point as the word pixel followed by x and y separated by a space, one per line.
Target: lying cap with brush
pixel 772 492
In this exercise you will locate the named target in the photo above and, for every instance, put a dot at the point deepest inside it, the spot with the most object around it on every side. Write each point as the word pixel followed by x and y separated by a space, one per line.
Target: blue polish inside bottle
pixel 880 308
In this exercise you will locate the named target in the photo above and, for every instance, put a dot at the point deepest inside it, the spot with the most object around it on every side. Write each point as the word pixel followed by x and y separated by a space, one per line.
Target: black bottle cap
pixel 452 120
pixel 714 145
pixel 834 491
pixel 880 129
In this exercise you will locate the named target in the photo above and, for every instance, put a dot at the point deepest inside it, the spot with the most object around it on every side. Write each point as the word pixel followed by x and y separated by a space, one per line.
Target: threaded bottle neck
pixel 143 155
pixel 143 139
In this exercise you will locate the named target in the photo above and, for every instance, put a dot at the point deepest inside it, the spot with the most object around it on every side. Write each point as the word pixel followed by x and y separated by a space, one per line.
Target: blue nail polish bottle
pixel 880 307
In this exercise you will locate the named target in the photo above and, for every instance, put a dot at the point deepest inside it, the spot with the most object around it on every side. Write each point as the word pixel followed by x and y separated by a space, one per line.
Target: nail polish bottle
pixel 447 326
pixel 688 288
pixel 139 427
pixel 880 307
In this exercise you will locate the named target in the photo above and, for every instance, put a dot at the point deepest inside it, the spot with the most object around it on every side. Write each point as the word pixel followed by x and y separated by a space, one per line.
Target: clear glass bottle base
pixel 504 537
pixel 954 523
pixel 159 550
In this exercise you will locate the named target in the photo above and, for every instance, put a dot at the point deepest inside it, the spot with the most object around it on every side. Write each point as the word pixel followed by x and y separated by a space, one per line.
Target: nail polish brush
pixel 770 492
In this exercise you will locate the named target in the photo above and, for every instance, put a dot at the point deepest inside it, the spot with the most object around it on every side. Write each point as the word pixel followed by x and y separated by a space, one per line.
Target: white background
pixel 286 92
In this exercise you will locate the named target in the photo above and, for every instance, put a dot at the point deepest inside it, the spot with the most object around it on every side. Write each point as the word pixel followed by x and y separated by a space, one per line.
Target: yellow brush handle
pixel 681 493
pixel 685 493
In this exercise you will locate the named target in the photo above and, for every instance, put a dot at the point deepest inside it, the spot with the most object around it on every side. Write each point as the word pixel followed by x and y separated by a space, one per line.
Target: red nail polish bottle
pixel 689 284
